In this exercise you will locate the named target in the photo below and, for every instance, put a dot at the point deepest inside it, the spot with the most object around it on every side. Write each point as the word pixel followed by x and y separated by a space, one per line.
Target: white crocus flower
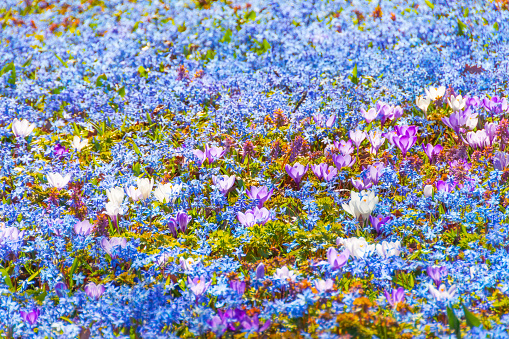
pixel 22 128
pixel 285 274
pixel 112 209
pixel 457 103
pixel 115 195
pixel 145 187
pixel 428 191
pixel 389 249
pixel 442 293
pixel 435 93
pixel 472 121
pixel 133 193
pixel 358 247
pixel 78 144
pixel 167 192
pixel 422 103
pixel 57 180
pixel 361 205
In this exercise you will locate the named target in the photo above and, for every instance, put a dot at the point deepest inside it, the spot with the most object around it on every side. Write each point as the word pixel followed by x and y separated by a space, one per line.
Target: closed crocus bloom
pixel 375 172
pixel 115 195
pixel 83 228
pixel 94 291
pixel 330 121
pixel 30 317
pixel 22 128
pixel 296 172
pixel 357 247
pixel 422 103
pixel 436 273
pixel 491 130
pixel 57 180
pixel 500 161
pixel 435 93
pixel 182 220
pixel 389 249
pixel 345 147
pixel 260 271
pixel 188 264
pixel 324 285
pixel 456 103
pixel 478 139
pixel 246 219
pixel 223 183
pixel 357 137
pixel 198 285
pixel 428 191
pixel 78 144
pixel 432 151
pixel 145 187
pixel 343 161
pixel 133 193
pixel 369 115
pixel 376 140
pixel 109 245
pixel 238 286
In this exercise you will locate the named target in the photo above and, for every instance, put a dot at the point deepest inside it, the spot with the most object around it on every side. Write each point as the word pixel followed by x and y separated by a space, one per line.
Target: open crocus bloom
pixel 442 293
pixel 389 249
pixel 22 128
pixel 361 205
pixel 284 273
pixel 434 93
pixel 357 247
pixel 57 180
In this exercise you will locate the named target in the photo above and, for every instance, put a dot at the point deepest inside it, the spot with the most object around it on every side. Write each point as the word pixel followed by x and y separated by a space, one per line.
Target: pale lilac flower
pixel 442 293
pixel 491 130
pixel 57 180
pixel 369 115
pixel 262 194
pixel 357 137
pixel 336 260
pixel 255 216
pixel 285 274
pixel 198 285
pixel 223 183
pixel 22 128
pixel 210 153
pixel 500 161
pixel 110 245
pixel 30 317
pixel 324 171
pixel 83 228
pixel 495 105
pixel 375 172
pixel 456 120
pixel 238 286
pixel 296 172
pixel 436 273
pixel 478 139
pixel 324 285
pixel 363 184
pixel 345 147
pixel 395 297
pixel 330 122
pixel 376 140
pixel 443 186
pixel 94 291
pixel 343 161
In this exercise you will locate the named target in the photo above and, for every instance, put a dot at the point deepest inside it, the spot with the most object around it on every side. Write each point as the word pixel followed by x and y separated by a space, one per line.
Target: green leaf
pixel 121 91
pixel 57 90
pixel 227 36
pixel 73 269
pixel 495 26
pixel 454 323
pixel 405 280
pixel 182 28
pixel 472 320
pixel 461 27
pixel 100 78
pixel 28 62
pixel 7 277
pixel 10 68
pixel 136 149
pixel 143 72
pixel 250 16
pixel 430 4
pixel 62 61
pixel 355 75
pixel 76 129
pixel 135 27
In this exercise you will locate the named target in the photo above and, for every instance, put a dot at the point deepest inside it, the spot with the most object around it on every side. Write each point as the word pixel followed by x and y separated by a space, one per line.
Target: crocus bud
pixel 94 291
pixel 182 220
pixel 428 191
pixel 260 271
pixel 172 226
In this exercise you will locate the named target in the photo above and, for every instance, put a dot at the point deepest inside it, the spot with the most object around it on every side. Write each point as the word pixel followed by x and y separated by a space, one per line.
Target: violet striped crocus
pixel 396 296
pixel 253 324
pixel 491 131
pixel 345 147
pixel 432 151
pixel 337 260
pixel 324 171
pixel 296 172
pixel 410 131
pixel 378 221
pixel 404 143
pixel 223 183
pixel 210 153
pixel 253 217
pixel 262 194
pixel 94 291
pixel 375 172
pixel 357 137
pixel 30 317
pixel 362 184
pixel 478 139
pixel 436 273
pixel 500 161
pixel 343 161
pixel 456 120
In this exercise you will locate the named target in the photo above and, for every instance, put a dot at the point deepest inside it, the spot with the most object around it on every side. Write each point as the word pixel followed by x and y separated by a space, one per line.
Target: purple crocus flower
pixel 343 161
pixel 495 105
pixel 357 137
pixel 60 289
pixel 252 324
pixel 254 216
pixel 30 317
pixel 410 131
pixel 404 143
pixel 500 161
pixel 83 228
pixel 432 151
pixel 296 172
pixel 109 245
pixel 173 227
pixel 262 194
pixel 456 120
pixel 218 324
pixel 94 291
pixel 223 183
pixel 60 151
pixel 324 171
pixel 397 295
pixel 260 271
pixel 444 186
pixel 198 285
pixel 210 153
pixel 336 260
pixel 375 172
pixel 182 220
pixel 238 286
pixel 369 115
pixel 363 184
pixel 330 122
pixel 345 147
pixel 491 130
pixel 436 273
pixel 377 222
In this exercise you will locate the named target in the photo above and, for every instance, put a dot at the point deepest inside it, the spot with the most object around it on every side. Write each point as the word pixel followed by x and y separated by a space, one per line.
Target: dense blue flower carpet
pixel 271 169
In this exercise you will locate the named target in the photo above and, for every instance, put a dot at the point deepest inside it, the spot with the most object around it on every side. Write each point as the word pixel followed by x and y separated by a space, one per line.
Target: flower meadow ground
pixel 271 169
